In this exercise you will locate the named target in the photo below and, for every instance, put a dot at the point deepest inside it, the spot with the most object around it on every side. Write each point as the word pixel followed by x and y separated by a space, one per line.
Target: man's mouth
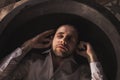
pixel 62 47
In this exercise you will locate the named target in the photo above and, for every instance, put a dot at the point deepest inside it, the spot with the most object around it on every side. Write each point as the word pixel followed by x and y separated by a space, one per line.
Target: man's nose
pixel 64 41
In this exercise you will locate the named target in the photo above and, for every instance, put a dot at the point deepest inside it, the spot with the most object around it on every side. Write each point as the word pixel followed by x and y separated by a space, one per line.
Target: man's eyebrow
pixel 60 33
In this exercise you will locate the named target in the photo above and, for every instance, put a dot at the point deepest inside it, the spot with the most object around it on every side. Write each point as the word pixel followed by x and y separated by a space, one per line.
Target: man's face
pixel 64 41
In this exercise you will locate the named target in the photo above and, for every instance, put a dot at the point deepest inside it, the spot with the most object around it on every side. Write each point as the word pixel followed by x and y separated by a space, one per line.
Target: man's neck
pixel 57 61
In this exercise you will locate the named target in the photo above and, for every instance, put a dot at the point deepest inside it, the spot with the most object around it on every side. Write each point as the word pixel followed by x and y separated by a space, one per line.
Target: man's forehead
pixel 69 30
pixel 66 28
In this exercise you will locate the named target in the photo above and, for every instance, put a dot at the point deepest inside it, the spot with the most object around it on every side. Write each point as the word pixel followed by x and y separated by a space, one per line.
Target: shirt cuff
pixel 95 66
pixel 16 53
pixel 96 71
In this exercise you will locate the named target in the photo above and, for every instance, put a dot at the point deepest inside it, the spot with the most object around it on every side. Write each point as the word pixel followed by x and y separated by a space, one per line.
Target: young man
pixel 58 63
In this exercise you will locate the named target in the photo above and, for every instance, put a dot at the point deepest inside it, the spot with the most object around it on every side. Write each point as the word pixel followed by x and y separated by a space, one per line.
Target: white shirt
pixel 96 68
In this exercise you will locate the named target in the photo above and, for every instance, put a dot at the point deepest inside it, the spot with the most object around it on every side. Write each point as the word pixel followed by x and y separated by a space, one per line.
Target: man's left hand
pixel 85 49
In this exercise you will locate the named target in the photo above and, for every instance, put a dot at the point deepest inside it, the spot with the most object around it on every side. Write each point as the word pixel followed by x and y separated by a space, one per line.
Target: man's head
pixel 65 40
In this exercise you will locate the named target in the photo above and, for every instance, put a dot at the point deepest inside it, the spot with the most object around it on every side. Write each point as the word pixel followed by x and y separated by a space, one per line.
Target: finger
pixel 44 40
pixel 48 44
pixel 82 53
pixel 39 46
pixel 44 35
pixel 83 43
pixel 82 46
pixel 43 45
pixel 47 33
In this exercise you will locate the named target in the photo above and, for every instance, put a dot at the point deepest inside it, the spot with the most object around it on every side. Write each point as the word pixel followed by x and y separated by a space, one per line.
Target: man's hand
pixel 85 49
pixel 43 40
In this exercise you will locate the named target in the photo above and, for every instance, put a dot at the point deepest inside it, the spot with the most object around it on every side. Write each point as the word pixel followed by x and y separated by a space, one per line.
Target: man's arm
pixel 85 49
pixel 9 63
pixel 96 68
pixel 11 70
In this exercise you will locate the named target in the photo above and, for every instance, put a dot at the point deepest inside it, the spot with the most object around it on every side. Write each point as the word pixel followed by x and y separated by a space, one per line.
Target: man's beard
pixel 62 53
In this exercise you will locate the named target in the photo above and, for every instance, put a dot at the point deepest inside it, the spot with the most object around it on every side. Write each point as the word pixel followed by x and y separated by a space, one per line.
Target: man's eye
pixel 59 36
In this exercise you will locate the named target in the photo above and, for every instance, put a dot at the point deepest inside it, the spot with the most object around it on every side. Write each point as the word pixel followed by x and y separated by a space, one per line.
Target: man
pixel 58 63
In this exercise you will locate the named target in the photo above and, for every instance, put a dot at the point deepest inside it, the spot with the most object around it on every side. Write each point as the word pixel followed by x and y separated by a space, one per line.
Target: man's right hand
pixel 42 40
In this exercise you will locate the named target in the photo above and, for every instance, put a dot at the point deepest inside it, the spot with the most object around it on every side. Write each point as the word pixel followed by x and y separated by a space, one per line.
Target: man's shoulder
pixel 35 54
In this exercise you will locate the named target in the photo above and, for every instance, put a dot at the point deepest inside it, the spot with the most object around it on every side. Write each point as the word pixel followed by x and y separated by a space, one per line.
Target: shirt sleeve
pixel 96 71
pixel 13 55
pixel 9 63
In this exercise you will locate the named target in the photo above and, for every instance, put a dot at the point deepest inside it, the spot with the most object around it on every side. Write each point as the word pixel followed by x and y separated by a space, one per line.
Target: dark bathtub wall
pixel 111 5
pixel 96 25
